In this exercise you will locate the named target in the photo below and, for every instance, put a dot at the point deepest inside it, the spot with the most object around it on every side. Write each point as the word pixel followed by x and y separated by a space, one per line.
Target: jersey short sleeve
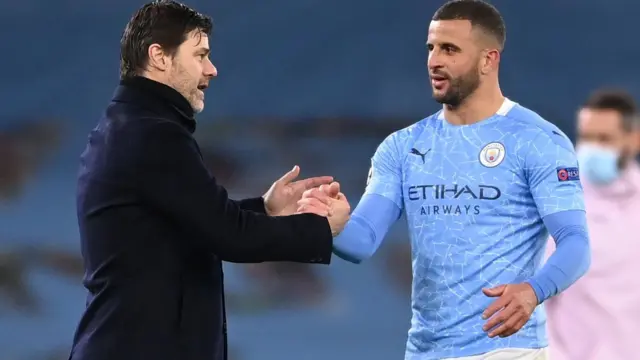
pixel 553 173
pixel 385 174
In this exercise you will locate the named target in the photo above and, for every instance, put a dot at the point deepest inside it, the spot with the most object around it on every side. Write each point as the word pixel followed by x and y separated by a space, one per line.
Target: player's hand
pixel 339 214
pixel 318 200
pixel 283 196
pixel 513 308
pixel 327 199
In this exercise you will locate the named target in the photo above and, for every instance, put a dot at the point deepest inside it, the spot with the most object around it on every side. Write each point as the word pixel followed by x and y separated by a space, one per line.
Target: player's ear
pixel 490 61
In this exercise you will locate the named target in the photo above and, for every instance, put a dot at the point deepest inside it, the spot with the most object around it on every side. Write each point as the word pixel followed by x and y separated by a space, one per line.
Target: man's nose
pixel 434 61
pixel 211 70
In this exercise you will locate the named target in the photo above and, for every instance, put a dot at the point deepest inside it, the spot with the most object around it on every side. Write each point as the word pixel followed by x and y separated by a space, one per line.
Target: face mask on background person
pixel 599 164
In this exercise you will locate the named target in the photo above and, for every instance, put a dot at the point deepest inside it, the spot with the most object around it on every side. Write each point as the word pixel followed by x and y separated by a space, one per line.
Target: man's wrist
pixel 537 290
pixel 265 205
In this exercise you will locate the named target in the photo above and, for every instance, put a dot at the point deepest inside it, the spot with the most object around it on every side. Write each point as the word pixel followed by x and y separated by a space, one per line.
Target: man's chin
pixel 445 99
pixel 198 106
pixel 440 97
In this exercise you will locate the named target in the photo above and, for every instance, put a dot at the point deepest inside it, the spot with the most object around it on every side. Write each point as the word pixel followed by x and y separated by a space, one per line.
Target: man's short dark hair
pixel 480 13
pixel 166 23
pixel 619 101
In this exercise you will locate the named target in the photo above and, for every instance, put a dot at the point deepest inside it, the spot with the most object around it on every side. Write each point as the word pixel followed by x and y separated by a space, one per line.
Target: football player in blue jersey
pixel 482 183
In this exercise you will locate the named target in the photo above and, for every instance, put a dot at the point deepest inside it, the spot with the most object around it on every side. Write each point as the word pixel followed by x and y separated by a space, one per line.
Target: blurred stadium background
pixel 308 82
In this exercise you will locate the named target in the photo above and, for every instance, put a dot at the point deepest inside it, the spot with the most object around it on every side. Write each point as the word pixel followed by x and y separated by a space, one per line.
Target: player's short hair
pixel 162 22
pixel 619 101
pixel 480 13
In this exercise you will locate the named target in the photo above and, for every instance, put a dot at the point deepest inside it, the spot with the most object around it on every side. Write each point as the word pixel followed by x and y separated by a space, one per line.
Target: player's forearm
pixel 572 256
pixel 356 242
pixel 364 233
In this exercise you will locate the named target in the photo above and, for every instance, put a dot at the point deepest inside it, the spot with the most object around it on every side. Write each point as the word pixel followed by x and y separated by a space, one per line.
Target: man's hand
pixel 514 307
pixel 327 200
pixel 318 200
pixel 282 197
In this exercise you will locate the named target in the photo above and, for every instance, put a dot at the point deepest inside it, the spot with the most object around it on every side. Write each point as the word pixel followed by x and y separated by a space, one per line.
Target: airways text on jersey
pixel 452 199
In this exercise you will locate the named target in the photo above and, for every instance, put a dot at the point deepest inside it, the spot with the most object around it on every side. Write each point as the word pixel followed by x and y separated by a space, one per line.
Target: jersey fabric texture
pixel 474 198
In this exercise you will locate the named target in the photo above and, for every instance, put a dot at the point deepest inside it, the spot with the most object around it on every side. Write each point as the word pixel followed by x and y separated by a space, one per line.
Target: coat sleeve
pixel 172 178
pixel 252 204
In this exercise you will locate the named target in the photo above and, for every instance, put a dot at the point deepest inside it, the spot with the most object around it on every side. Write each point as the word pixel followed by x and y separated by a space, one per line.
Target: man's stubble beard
pixel 460 89
pixel 181 81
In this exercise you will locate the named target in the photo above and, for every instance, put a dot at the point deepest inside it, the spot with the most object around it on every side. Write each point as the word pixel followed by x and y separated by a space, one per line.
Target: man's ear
pixel 157 57
pixel 490 61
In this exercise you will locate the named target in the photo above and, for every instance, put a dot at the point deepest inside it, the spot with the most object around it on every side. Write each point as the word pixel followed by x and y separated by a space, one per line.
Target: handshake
pixel 327 200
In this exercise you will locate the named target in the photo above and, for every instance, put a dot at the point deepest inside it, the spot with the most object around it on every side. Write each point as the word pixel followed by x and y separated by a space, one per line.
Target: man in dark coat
pixel 155 226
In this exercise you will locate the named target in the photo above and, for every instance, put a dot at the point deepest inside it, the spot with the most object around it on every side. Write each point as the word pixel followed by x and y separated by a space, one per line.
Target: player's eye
pixel 430 47
pixel 448 49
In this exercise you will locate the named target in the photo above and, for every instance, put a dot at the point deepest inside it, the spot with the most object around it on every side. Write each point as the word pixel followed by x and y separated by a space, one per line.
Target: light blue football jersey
pixel 474 197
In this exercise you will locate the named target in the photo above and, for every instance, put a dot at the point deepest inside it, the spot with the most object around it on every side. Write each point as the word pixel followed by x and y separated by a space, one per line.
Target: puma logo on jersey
pixel 415 151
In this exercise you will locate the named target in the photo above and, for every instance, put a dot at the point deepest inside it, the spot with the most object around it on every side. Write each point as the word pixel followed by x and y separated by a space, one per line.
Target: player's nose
pixel 434 62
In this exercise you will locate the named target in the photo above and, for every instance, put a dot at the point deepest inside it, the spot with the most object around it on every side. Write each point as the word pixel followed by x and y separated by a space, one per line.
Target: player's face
pixel 453 61
pixel 604 129
pixel 191 70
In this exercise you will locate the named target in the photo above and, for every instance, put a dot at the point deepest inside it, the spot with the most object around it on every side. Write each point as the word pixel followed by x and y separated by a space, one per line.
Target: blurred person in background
pixel 16 265
pixel 23 150
pixel 599 317
pixel 14 289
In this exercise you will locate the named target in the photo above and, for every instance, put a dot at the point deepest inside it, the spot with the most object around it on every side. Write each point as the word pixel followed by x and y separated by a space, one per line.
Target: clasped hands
pixel 327 201
pixel 319 195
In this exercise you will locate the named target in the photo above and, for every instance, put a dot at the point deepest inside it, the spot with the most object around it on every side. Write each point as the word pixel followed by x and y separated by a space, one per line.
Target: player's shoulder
pixel 531 127
pixel 406 137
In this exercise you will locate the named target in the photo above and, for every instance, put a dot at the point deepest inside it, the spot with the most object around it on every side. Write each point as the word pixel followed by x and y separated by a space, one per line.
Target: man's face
pixel 604 128
pixel 453 61
pixel 191 69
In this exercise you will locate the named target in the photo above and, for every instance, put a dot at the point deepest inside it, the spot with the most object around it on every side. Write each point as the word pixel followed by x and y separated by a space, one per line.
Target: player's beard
pixel 459 88
pixel 187 86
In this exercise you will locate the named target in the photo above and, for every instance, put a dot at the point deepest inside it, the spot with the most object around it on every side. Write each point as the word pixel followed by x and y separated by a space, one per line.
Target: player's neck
pixel 480 105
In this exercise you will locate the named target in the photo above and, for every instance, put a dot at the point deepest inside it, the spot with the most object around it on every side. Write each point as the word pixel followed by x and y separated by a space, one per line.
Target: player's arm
pixel 366 229
pixel 379 207
pixel 172 178
pixel 553 176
